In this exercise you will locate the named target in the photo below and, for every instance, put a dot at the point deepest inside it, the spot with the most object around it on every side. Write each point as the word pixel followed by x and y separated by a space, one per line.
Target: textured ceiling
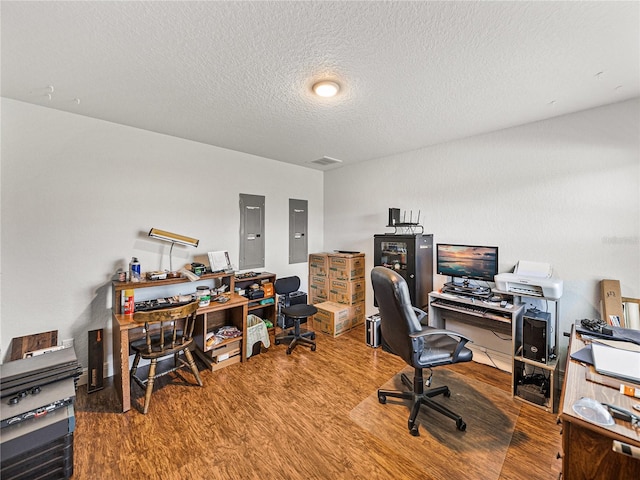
pixel 238 74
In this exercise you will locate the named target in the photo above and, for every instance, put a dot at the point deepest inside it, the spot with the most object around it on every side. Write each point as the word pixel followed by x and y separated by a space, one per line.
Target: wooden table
pixel 587 446
pixel 126 330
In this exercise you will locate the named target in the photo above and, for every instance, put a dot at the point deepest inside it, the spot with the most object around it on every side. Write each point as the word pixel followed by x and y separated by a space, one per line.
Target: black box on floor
pixel 41 447
pixel 372 329
pixel 532 393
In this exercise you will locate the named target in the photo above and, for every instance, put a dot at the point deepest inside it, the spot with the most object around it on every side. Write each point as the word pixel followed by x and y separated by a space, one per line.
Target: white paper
pixel 533 269
pixel 621 344
pixel 632 315
pixel 616 362
pixel 219 261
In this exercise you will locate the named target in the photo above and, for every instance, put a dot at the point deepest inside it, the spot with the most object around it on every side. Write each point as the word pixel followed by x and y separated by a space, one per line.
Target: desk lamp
pixel 173 238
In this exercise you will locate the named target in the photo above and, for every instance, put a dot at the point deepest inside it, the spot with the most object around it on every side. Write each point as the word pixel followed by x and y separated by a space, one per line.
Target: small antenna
pixel 418 220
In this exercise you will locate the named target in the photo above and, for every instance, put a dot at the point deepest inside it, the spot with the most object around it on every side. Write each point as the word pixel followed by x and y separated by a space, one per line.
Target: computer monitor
pixel 473 262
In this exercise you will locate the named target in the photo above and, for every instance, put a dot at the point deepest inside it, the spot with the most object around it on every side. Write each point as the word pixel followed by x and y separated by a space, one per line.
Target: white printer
pixel 530 278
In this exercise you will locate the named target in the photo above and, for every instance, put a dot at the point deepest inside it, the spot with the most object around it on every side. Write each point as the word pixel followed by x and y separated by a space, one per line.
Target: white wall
pixel 79 196
pixel 563 191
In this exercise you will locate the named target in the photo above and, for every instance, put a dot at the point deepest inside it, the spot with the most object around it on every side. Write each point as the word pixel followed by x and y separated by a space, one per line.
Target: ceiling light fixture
pixel 326 88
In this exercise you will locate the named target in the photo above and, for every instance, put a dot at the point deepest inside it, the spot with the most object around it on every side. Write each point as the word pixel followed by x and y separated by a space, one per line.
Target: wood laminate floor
pixel 280 416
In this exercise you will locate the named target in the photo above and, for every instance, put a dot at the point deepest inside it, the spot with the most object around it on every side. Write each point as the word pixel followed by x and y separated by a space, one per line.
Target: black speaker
pixel 535 337
pixel 96 360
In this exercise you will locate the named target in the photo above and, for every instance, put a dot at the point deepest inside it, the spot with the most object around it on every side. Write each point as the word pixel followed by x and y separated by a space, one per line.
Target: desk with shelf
pixel 125 330
pixel 443 306
pixel 587 447
pixel 501 320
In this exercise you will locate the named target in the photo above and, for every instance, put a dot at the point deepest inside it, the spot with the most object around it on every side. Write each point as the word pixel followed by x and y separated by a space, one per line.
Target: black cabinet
pixel 411 255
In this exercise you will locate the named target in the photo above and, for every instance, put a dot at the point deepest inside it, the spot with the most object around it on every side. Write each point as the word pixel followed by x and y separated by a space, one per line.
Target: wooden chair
pixel 167 331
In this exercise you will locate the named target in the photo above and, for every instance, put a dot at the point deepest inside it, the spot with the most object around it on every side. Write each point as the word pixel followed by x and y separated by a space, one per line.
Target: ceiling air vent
pixel 324 161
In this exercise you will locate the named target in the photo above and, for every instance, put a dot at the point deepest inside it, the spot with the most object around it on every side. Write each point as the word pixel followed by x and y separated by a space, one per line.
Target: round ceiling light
pixel 326 88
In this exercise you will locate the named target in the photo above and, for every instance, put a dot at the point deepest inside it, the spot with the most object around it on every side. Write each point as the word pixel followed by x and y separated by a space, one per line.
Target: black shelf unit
pixel 411 255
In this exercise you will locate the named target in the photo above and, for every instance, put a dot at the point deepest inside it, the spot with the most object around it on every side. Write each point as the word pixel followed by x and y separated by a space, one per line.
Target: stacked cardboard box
pixel 339 294
pixel 318 278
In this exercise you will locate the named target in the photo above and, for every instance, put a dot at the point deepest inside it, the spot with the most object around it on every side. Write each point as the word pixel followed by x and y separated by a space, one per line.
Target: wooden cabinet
pixel 265 307
pixel 411 255
pixel 210 320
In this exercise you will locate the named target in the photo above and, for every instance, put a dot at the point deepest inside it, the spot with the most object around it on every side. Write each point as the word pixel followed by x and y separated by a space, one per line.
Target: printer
pixel 530 278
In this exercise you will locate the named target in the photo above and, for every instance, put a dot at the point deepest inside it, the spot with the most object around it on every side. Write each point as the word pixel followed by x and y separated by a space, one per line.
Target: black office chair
pixel 420 346
pixel 296 313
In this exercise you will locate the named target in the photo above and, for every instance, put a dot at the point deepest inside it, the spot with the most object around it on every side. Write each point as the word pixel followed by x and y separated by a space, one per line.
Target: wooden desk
pixel 125 330
pixel 587 447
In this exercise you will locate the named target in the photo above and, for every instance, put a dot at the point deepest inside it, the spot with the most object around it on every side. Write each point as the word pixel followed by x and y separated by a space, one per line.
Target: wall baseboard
pixel 493 358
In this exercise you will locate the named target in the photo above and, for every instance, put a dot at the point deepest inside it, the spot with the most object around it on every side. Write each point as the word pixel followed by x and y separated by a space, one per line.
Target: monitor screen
pixel 467 261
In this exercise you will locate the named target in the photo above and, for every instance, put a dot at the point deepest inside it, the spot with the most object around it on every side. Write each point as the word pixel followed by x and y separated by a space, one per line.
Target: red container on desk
pixel 128 304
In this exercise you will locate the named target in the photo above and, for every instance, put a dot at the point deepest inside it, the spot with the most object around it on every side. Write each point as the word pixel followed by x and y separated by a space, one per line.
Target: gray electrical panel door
pixel 251 231
pixel 297 231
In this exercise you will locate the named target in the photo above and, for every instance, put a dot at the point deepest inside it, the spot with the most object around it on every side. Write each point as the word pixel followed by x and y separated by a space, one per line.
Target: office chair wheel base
pixel 382 399
pixel 414 431
pixel 313 348
pixel 461 425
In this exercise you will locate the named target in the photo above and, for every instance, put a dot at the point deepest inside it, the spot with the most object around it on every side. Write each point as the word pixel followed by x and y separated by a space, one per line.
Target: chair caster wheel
pixel 461 425
pixel 414 431
pixel 277 342
pixel 313 348
pixel 288 352
pixel 447 393
pixel 313 336
pixel 382 399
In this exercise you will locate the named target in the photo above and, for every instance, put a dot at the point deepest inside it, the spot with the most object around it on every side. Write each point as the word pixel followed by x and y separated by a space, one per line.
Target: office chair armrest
pixel 428 331
pixel 419 313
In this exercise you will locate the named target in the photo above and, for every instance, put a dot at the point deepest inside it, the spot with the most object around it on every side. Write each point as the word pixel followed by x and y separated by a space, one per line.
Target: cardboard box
pixel 343 266
pixel 346 292
pixel 335 319
pixel 224 355
pixel 318 289
pixel 611 302
pixel 319 264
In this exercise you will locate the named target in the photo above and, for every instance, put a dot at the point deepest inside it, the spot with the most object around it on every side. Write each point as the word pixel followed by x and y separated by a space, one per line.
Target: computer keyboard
pixel 477 310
